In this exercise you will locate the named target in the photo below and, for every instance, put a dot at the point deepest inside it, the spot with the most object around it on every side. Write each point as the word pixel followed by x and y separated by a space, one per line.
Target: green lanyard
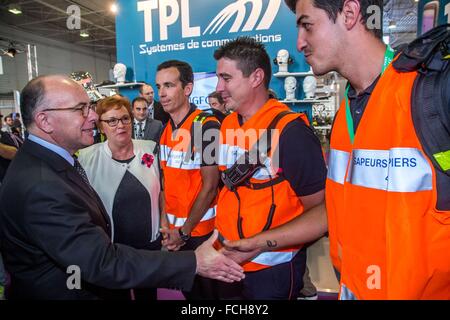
pixel 388 57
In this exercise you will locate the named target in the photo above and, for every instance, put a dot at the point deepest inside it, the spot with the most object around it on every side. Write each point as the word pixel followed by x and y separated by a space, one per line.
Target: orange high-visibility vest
pixel 182 178
pixel 386 237
pixel 254 202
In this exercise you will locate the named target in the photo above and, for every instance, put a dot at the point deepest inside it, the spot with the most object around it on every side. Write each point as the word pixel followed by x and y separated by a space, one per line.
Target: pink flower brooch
pixel 147 159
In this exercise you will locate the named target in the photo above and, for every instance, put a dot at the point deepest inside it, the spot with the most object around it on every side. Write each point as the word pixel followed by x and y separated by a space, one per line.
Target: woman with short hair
pixel 125 174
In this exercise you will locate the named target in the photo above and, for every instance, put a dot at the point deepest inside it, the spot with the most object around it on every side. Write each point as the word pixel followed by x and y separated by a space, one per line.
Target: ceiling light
pixel 84 34
pixel 11 52
pixel 392 25
pixel 114 8
pixel 15 9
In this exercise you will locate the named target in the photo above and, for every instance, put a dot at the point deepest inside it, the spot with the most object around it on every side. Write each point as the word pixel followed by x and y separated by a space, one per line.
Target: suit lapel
pixel 67 172
pixel 75 177
pixel 133 129
pixel 147 128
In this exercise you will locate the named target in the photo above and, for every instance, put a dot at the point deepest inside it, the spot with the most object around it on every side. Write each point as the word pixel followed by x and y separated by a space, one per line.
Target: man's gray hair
pixel 31 97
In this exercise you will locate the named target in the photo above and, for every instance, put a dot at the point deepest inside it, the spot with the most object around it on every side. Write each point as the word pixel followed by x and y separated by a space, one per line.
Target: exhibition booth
pixel 386 169
pixel 150 32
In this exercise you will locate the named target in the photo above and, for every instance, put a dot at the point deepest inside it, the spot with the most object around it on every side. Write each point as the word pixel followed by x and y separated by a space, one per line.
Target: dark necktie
pixel 140 132
pixel 81 171
pixel 151 112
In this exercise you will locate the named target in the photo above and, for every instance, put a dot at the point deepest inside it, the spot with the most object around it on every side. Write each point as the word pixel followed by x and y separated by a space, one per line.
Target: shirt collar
pixel 368 91
pixel 192 108
pixel 136 122
pixel 52 147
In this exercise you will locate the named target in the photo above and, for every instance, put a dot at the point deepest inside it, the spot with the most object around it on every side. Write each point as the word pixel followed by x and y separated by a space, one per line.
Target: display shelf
pixel 315 101
pixel 123 85
pixel 327 127
pixel 293 74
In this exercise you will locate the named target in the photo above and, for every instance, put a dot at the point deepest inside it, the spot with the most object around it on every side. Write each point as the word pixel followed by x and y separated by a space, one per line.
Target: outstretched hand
pixel 240 251
pixel 213 264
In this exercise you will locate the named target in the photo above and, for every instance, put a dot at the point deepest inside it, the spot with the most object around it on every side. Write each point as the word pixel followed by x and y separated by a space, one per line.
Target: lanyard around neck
pixel 388 57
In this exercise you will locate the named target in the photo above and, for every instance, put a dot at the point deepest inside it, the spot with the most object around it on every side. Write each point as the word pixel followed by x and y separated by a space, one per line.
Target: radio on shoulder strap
pixel 246 166
pixel 249 162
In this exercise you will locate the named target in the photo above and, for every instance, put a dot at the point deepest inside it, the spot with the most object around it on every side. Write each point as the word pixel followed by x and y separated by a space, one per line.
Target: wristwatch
pixel 185 237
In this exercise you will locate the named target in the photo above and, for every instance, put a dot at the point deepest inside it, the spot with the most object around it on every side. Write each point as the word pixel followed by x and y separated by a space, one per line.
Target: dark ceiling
pixel 48 18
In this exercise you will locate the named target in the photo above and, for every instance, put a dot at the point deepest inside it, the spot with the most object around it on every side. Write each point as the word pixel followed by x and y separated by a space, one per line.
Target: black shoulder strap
pixel 200 118
pixel 430 109
pixel 277 119
pixel 430 115
pixel 272 126
pixel 263 146
pixel 421 52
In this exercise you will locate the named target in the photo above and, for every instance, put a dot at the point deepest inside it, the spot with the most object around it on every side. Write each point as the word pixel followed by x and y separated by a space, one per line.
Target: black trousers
pixel 203 288
pixel 141 294
pixel 281 282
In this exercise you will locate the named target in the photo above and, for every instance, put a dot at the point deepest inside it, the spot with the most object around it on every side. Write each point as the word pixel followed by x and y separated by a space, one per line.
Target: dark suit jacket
pixel 160 114
pixel 50 219
pixel 7 139
pixel 152 130
pixel 218 114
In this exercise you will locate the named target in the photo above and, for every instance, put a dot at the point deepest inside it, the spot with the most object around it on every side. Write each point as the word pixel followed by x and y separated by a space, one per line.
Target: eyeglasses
pixel 83 107
pixel 113 122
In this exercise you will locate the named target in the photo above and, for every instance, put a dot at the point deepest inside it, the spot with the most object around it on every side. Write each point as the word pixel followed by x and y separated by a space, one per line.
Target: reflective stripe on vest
pixel 338 162
pixel 179 159
pixel 274 258
pixel 383 226
pixel 397 170
pixel 182 175
pixel 179 222
pixel 228 156
pixel 253 205
pixel 346 294
pixel 163 152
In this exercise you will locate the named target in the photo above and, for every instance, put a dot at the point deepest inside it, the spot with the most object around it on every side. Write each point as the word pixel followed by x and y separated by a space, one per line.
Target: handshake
pixel 221 265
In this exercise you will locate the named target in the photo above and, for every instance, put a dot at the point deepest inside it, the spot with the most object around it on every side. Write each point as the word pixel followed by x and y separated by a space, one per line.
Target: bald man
pixel 55 233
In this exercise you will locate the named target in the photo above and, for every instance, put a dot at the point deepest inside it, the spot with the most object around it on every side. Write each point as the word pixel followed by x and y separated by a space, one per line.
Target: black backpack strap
pixel 421 52
pixel 430 109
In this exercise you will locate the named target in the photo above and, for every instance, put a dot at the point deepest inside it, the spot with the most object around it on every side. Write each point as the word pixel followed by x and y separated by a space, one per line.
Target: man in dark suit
pixel 54 231
pixel 144 127
pixel 156 110
pixel 8 149
pixel 217 105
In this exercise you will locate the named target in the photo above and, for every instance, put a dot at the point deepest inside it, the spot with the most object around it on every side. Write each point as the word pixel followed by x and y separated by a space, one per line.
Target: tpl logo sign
pixel 169 13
